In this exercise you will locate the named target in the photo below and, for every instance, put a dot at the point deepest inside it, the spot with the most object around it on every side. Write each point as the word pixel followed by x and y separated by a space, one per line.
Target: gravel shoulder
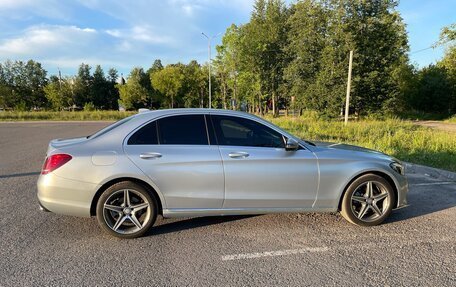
pixel 449 127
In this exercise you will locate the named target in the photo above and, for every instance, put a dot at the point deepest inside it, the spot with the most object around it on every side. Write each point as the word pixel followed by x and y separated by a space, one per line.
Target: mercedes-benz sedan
pixel 203 162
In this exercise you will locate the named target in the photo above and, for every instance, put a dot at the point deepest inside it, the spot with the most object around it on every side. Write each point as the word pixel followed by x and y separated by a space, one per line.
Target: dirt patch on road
pixel 437 125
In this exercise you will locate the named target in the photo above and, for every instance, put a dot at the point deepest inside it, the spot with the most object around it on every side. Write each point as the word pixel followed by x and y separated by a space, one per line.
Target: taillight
pixel 55 161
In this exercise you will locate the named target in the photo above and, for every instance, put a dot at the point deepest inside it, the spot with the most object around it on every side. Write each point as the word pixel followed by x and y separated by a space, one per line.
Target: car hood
pixel 342 146
pixel 350 151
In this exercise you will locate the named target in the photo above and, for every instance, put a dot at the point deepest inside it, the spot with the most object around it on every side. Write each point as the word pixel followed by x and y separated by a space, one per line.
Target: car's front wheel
pixel 368 200
pixel 126 210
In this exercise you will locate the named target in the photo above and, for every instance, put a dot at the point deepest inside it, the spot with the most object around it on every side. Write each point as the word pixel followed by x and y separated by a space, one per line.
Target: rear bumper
pixel 65 196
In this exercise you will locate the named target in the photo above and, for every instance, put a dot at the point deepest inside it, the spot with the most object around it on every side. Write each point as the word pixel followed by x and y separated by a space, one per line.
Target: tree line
pixel 286 57
pixel 297 56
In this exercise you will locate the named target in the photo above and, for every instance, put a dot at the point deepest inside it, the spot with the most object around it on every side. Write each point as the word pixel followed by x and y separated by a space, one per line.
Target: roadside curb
pixel 435 173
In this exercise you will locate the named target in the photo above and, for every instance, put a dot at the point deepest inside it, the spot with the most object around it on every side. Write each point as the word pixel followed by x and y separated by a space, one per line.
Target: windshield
pixel 110 127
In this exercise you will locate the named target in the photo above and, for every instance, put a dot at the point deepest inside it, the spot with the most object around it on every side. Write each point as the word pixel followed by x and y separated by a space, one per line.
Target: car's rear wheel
pixel 368 200
pixel 126 210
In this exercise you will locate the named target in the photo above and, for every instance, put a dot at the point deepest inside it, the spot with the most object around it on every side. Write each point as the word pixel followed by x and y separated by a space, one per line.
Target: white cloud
pixel 129 39
pixel 25 9
pixel 146 34
pixel 122 33
pixel 188 9
pixel 14 4
pixel 114 32
pixel 37 39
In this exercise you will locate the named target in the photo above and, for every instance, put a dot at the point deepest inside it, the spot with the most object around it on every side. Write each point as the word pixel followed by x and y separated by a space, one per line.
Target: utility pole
pixel 209 56
pixel 347 101
pixel 60 83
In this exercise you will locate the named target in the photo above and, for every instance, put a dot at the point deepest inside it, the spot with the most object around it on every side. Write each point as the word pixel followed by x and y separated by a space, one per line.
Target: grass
pixel 398 138
pixel 64 116
pixel 451 120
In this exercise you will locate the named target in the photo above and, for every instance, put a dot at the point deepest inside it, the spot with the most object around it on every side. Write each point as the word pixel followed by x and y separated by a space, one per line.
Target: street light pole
pixel 209 55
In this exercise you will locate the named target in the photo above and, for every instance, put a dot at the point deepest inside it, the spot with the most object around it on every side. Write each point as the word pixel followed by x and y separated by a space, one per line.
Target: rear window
pixel 146 135
pixel 110 127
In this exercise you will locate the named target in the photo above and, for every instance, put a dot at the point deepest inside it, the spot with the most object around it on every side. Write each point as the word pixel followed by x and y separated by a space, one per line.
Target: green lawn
pixel 401 139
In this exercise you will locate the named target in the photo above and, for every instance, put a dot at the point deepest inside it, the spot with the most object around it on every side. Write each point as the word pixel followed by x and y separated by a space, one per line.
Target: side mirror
pixel 291 145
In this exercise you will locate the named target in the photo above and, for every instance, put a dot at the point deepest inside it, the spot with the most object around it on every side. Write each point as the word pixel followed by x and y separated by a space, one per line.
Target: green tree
pixel 156 66
pixel 168 81
pixel 407 82
pixel 6 91
pixel 136 92
pixel 307 44
pixel 433 91
pixel 221 76
pixel 448 62
pixel 59 92
pixel 194 85
pixel 112 92
pixel 35 82
pixel 83 85
pixel 156 97
pixel 447 35
pixel 22 84
pixel 265 38
pixel 321 34
pixel 377 35
pixel 228 64
pixel 99 89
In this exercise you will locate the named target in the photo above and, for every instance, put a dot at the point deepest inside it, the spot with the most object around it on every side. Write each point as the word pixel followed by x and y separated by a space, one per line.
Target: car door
pixel 259 172
pixel 176 154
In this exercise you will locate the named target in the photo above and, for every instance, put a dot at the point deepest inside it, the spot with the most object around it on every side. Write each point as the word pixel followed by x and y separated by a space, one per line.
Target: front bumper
pixel 402 190
pixel 65 196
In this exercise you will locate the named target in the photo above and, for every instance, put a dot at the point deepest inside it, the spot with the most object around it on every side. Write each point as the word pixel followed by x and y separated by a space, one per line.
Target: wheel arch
pixel 382 174
pixel 147 186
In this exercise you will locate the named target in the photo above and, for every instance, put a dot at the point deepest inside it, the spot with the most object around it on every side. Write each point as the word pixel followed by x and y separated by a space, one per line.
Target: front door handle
pixel 239 154
pixel 150 155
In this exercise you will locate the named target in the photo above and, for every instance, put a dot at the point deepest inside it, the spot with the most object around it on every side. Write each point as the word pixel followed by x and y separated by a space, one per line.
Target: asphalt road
pixel 416 246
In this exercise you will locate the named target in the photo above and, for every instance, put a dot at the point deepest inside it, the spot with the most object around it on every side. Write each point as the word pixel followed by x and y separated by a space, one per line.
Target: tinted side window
pixel 146 135
pixel 185 130
pixel 244 132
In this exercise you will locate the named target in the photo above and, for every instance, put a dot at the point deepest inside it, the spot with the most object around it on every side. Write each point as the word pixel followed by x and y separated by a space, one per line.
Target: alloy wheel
pixel 126 211
pixel 370 201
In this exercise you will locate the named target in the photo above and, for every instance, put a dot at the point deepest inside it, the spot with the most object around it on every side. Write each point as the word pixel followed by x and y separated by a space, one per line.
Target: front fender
pixel 335 179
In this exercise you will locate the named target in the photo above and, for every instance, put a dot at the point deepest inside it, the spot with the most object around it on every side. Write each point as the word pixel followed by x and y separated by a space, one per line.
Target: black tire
pixel 373 210
pixel 126 210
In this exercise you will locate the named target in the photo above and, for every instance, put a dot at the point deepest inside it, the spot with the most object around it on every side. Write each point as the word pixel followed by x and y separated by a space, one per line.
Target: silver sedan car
pixel 205 162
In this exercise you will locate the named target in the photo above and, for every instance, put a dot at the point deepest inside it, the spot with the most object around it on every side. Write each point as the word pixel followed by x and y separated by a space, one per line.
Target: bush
pixel 89 107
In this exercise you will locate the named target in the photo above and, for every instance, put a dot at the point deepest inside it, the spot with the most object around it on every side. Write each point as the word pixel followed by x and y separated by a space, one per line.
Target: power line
pixel 414 52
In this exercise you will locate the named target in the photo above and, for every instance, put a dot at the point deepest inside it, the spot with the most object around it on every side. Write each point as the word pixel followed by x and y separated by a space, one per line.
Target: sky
pixel 62 34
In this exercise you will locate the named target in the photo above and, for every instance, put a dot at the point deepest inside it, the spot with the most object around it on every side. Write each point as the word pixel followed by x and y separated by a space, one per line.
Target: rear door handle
pixel 150 155
pixel 239 154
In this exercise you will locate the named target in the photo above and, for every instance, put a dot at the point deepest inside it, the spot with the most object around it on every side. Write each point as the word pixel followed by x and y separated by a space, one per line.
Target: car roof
pixel 157 113
pixel 147 116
